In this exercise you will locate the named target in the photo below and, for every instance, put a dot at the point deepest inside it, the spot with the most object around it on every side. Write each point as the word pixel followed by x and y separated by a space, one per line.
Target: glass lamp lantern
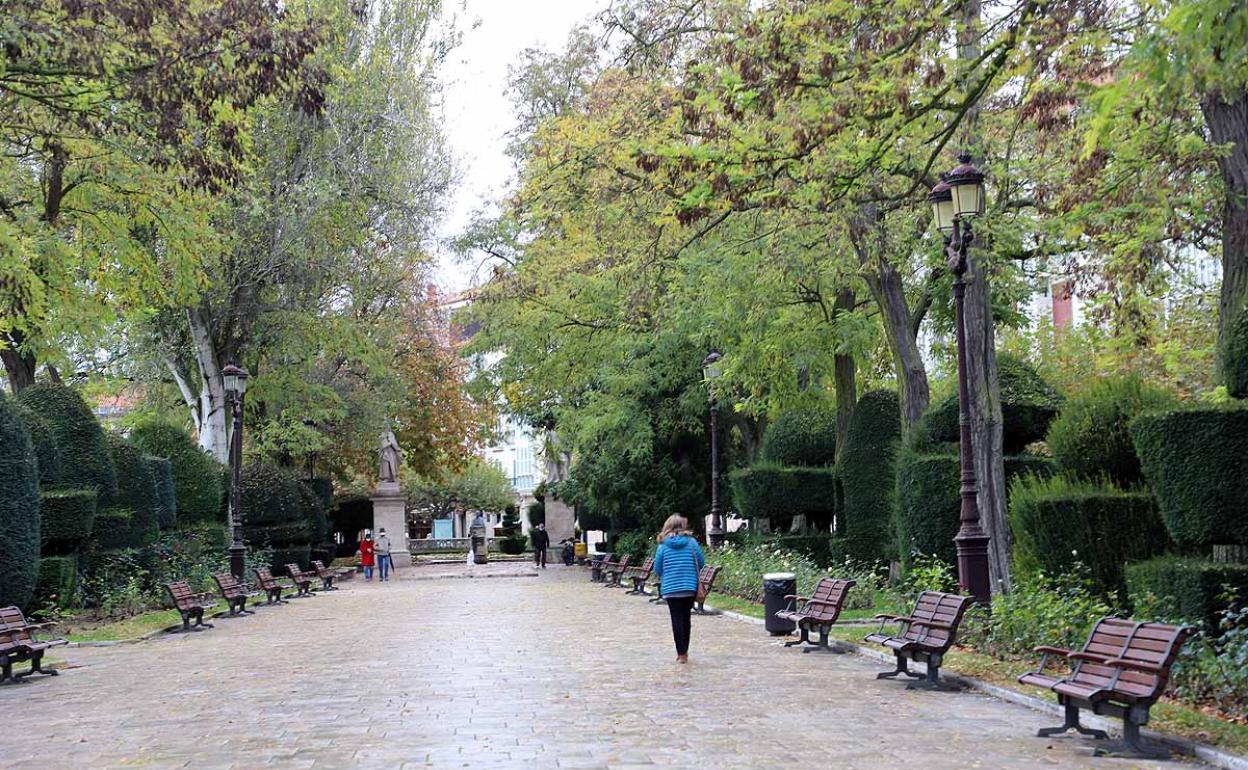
pixel 966 183
pixel 712 369
pixel 235 380
pixel 941 198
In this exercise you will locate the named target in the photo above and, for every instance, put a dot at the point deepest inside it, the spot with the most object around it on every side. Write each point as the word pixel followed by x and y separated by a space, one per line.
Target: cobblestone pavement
pixel 548 672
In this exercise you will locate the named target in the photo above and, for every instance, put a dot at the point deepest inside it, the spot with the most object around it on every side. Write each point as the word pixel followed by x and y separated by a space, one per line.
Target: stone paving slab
pixel 550 672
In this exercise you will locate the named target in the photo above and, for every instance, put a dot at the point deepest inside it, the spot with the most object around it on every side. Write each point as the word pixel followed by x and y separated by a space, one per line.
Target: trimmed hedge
pixel 1028 406
pixel 536 513
pixel 351 513
pixel 280 511
pixel 1060 520
pixel 112 528
pixel 136 490
pixel 291 554
pixel 929 500
pixel 313 512
pixel 778 494
pixel 166 497
pixel 324 489
pixel 19 508
pixel 298 532
pixel 68 518
pixel 47 451
pixel 1091 437
pixel 196 475
pixel 865 473
pixel 802 437
pixel 58 576
pixel 85 459
pixel 1196 462
pixel 1191 589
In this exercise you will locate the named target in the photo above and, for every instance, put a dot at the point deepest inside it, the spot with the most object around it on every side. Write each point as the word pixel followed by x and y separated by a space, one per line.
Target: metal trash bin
pixel 776 586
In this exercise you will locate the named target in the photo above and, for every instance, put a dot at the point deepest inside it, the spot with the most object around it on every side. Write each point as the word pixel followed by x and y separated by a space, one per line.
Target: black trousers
pixel 681 608
pixel 539 557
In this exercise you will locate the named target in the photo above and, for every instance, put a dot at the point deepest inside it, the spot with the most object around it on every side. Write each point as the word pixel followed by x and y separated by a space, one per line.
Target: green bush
pixel 929 500
pixel 512 545
pixel 290 554
pixel 1091 436
pixel 313 512
pixel 47 451
pixel 743 565
pixel 537 514
pixel 85 460
pixel 297 531
pixel 1194 590
pixel 112 528
pixel 1196 462
pixel 324 489
pixel 1028 405
pixel 68 518
pixel 1057 610
pixel 136 490
pixel 802 437
pixel 1060 520
pixel 19 509
pixel 196 475
pixel 866 475
pixel 270 495
pixel 58 576
pixel 167 501
pixel 777 494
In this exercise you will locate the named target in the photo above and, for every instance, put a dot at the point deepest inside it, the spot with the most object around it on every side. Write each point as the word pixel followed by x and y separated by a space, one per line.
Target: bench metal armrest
pixel 896 618
pixel 1045 649
pixel 1138 665
pixel 791 597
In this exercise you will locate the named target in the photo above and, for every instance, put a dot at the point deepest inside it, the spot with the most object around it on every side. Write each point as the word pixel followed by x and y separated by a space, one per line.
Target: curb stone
pixel 1209 754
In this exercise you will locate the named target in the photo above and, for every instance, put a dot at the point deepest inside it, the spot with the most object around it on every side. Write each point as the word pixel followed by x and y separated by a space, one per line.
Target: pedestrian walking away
pixel 677 563
pixel 367 557
pixel 541 541
pixel 382 546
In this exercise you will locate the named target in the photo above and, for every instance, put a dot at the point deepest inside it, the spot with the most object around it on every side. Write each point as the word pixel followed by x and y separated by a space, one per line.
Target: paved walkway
pixel 546 672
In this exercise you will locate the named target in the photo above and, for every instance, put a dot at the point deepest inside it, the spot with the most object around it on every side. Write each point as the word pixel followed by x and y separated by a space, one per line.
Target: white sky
pixel 478 113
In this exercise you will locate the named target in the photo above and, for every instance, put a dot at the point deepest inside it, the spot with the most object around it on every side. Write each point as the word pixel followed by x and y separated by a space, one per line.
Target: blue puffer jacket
pixel 677 563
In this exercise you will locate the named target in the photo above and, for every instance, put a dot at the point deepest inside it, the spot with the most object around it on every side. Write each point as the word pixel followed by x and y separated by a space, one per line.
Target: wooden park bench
pixel 235 592
pixel 613 572
pixel 640 575
pixel 926 635
pixel 597 565
pixel 340 573
pixel 819 611
pixel 270 585
pixel 189 605
pixel 1121 671
pixel 327 576
pixel 18 644
pixel 303 580
pixel 706 581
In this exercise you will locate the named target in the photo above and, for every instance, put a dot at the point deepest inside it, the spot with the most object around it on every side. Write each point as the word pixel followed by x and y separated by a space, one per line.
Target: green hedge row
pixel 801 437
pixel 166 494
pixel 68 518
pixel 865 473
pixel 58 576
pixel 47 451
pixel 136 490
pixel 1194 590
pixel 196 475
pixel 1091 437
pixel 112 528
pixel 291 554
pixel 19 508
pixel 85 460
pixel 929 500
pixel 779 493
pixel 1060 520
pixel 1196 461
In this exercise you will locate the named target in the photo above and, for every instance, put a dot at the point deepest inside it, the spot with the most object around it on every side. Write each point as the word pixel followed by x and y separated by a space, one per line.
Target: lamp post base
pixel 237 554
pixel 715 537
pixel 973 576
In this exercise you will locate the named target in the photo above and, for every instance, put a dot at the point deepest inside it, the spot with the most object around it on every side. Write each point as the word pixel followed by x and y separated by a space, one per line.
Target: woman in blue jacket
pixel 677 562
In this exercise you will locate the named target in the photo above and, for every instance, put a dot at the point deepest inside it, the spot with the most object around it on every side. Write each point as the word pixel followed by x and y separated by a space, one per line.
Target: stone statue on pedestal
pixel 389 506
pixel 391 458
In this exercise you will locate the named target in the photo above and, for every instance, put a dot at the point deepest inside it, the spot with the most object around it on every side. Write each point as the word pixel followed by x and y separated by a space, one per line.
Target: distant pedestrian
pixel 383 555
pixel 677 563
pixel 541 541
pixel 366 555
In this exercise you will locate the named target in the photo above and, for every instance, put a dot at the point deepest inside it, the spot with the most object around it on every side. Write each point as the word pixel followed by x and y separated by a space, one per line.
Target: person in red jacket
pixel 366 555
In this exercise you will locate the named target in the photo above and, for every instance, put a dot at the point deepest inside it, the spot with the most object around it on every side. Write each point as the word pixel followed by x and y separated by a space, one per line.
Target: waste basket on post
pixel 776 586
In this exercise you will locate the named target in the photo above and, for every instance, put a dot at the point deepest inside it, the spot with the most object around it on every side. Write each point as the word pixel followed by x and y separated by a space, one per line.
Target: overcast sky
pixel 478 113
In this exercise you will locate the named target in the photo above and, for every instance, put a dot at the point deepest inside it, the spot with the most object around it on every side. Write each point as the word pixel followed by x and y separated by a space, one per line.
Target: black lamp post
pixel 711 371
pixel 235 387
pixel 956 200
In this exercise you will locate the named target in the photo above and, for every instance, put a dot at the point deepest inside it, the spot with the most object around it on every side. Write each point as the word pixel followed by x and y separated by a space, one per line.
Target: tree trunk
pixel 19 366
pixel 1226 115
pixel 211 414
pixel 844 374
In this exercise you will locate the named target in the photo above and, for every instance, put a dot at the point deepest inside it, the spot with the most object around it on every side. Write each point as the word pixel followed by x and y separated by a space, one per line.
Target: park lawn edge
pixel 129 629
pixel 1166 717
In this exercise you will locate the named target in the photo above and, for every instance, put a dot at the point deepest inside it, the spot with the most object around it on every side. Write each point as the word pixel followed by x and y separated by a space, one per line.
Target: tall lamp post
pixel 956 200
pixel 711 371
pixel 235 386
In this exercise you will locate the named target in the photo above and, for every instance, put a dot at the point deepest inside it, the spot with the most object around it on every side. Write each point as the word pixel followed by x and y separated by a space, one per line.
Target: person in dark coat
pixel 541 541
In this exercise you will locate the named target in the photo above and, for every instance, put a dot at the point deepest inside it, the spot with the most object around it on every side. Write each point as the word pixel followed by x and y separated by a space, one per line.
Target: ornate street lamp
pixel 712 370
pixel 235 387
pixel 956 201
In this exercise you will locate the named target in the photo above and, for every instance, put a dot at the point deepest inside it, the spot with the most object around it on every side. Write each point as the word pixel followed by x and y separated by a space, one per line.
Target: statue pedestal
pixel 390 512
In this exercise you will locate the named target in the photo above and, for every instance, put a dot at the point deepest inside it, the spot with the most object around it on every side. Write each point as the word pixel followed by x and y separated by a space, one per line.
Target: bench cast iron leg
pixel 805 637
pixel 903 667
pixel 1131 744
pixel 933 681
pixel 823 645
pixel 1071 723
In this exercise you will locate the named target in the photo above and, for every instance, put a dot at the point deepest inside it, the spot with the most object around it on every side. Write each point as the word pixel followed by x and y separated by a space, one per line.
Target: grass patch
pixel 120 630
pixel 1166 717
